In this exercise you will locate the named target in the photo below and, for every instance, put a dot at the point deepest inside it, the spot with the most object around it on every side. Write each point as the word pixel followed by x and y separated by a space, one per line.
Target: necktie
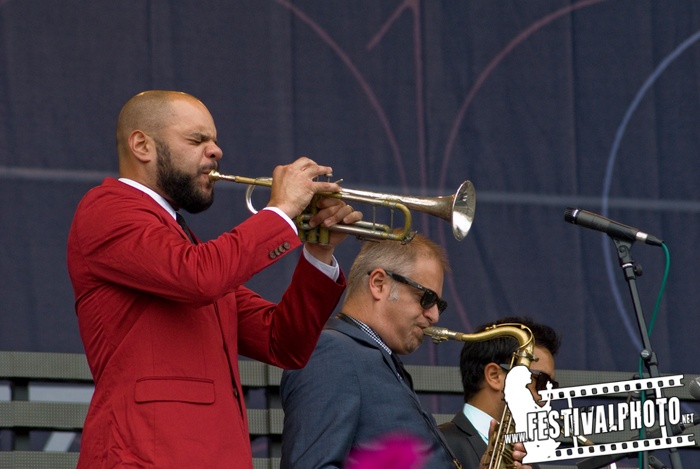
pixel 183 224
pixel 402 371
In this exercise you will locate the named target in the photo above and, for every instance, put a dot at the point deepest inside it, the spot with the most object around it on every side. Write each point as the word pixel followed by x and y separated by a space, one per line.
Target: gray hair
pixel 394 256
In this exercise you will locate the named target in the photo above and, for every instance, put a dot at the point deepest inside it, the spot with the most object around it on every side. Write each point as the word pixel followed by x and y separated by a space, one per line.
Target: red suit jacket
pixel 160 319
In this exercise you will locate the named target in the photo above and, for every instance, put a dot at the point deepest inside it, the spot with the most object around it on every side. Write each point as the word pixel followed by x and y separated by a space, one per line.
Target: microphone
pixel 695 388
pixel 609 227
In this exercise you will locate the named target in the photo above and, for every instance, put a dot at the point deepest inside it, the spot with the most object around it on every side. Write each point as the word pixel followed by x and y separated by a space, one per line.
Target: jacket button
pixel 286 245
pixel 272 254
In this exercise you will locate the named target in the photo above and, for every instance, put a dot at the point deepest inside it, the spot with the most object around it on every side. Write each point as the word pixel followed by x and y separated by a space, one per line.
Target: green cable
pixel 650 328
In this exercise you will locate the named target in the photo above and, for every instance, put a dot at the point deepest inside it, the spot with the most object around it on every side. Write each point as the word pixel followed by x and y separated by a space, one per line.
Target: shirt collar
pixel 479 419
pixel 154 195
pixel 370 332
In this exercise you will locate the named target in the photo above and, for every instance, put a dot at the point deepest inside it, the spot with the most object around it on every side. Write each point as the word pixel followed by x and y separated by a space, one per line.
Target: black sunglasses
pixel 540 377
pixel 429 298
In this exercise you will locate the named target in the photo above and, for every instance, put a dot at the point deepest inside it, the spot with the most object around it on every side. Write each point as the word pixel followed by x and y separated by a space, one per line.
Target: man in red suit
pixel 164 317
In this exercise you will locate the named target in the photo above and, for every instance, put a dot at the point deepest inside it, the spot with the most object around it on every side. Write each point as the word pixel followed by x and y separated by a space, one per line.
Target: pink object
pixel 394 451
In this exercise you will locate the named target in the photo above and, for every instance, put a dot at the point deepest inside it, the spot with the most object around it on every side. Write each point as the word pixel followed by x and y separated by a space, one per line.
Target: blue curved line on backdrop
pixel 632 330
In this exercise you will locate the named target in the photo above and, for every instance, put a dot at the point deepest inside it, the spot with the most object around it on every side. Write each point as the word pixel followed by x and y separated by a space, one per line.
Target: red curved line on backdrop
pixel 530 30
pixel 412 5
pixel 492 65
pixel 358 76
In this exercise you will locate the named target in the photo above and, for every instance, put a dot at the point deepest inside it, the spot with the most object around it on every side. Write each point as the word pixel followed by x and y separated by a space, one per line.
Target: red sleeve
pixel 285 335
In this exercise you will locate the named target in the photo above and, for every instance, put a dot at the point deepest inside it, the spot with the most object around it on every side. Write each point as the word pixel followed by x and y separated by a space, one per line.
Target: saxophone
pixel 500 453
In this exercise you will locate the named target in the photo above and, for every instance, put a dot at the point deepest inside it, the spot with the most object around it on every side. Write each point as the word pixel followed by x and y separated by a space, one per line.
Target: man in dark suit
pixel 164 316
pixel 483 365
pixel 354 390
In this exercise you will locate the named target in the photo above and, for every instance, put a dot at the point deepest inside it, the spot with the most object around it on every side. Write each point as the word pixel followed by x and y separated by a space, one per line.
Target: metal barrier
pixel 24 413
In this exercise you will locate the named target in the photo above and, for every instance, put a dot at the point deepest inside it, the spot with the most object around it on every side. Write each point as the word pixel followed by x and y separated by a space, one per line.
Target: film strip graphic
pixel 631 446
pixel 596 390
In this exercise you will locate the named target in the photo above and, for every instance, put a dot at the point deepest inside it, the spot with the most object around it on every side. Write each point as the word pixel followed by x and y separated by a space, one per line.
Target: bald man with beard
pixel 164 316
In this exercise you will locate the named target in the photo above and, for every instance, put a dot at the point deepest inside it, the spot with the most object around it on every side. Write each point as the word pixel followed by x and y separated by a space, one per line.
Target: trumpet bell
pixel 463 208
pixel 458 208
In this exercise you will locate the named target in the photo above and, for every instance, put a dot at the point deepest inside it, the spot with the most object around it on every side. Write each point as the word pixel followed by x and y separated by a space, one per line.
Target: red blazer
pixel 160 318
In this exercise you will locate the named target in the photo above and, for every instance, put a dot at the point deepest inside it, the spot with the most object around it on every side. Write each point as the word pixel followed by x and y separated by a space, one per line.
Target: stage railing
pixel 44 399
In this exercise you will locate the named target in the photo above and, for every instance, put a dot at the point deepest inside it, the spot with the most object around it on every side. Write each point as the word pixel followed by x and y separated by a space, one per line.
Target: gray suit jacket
pixel 347 396
pixel 464 440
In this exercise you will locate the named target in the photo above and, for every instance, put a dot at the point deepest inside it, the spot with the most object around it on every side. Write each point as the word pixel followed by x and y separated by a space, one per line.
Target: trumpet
pixel 457 208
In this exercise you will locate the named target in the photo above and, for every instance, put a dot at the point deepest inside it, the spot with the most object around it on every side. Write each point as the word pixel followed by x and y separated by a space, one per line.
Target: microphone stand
pixel 631 270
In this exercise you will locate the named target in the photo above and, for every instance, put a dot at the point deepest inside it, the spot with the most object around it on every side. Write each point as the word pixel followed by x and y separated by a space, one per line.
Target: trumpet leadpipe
pixel 214 176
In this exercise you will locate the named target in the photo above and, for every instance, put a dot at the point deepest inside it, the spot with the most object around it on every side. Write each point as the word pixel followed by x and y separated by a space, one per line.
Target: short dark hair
pixel 477 354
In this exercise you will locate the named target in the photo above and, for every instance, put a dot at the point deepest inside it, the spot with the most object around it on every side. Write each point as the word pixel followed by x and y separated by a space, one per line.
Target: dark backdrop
pixel 542 104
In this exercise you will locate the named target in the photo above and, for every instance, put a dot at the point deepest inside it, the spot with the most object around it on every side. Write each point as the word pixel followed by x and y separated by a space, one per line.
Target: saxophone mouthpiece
pixel 439 334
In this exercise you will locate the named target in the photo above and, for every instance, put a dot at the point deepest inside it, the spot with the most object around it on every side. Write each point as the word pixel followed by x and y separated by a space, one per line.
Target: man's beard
pixel 179 186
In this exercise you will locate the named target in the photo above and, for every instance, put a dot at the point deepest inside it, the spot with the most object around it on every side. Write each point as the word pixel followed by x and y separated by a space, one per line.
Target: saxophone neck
pixel 441 334
pixel 519 332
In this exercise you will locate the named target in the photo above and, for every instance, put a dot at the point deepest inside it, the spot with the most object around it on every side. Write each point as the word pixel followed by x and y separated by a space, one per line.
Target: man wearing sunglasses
pixel 483 366
pixel 354 391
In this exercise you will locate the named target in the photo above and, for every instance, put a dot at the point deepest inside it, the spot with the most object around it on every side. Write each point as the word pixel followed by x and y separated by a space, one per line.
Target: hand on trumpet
pixel 331 211
pixel 294 185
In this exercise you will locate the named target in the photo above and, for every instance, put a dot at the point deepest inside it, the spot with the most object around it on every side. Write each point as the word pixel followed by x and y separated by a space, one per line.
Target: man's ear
pixel 494 377
pixel 142 146
pixel 378 283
